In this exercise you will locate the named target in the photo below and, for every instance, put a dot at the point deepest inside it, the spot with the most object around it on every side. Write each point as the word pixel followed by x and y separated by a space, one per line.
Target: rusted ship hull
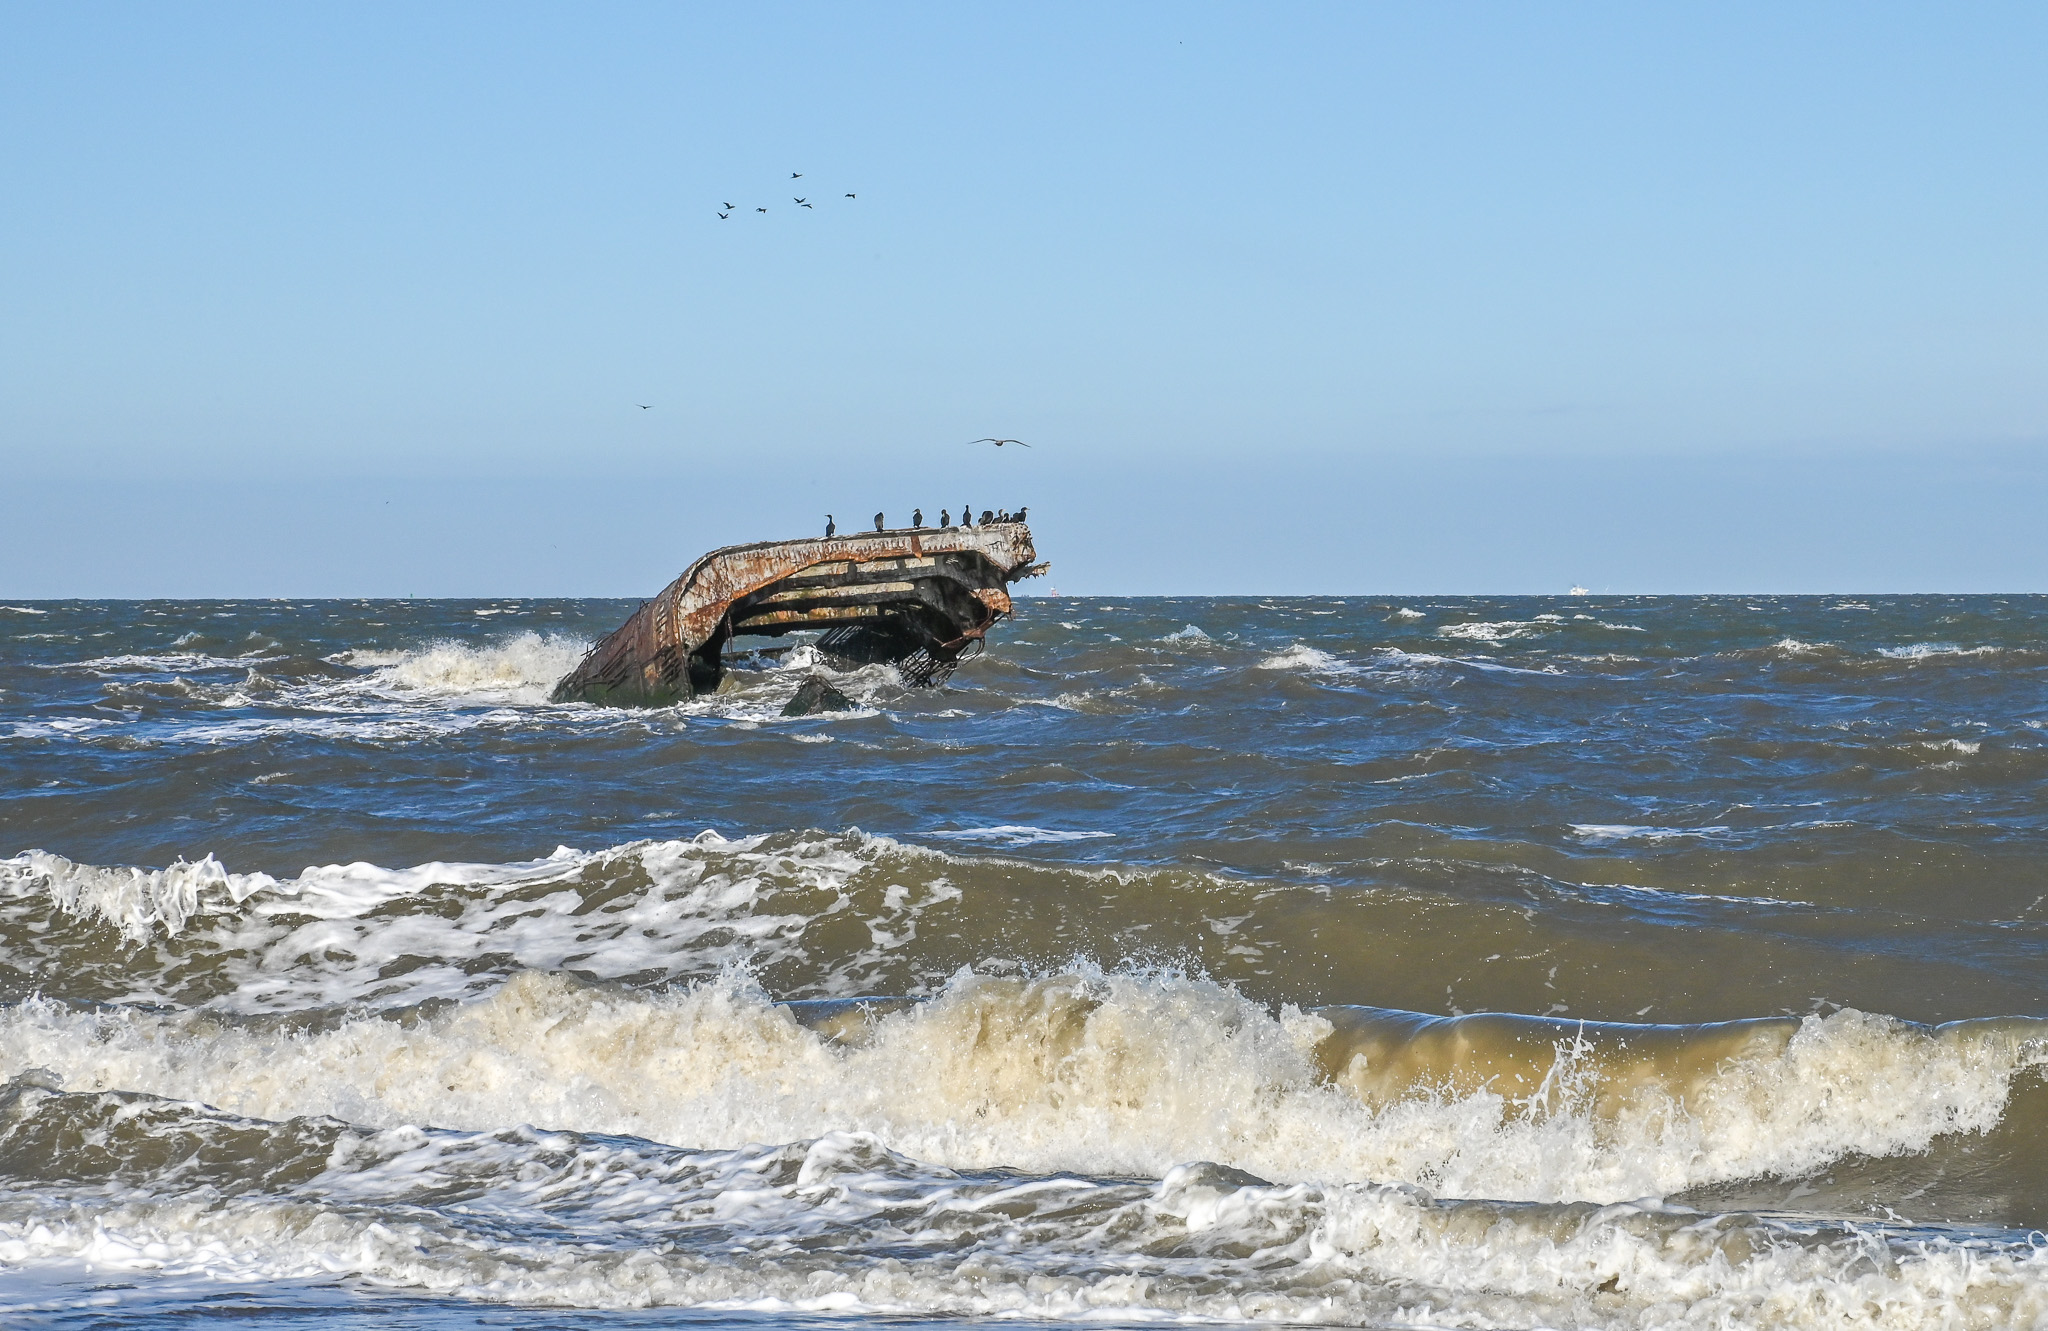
pixel 922 598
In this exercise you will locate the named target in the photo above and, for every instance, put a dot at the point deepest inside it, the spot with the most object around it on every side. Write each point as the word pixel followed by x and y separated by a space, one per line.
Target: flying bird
pixel 728 207
pixel 644 406
pixel 796 200
pixel 807 205
pixel 1000 442
pixel 724 215
pixel 849 196
pixel 760 210
pixel 796 175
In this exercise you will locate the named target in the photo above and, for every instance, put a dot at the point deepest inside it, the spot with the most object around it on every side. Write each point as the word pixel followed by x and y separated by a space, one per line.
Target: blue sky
pixel 1419 298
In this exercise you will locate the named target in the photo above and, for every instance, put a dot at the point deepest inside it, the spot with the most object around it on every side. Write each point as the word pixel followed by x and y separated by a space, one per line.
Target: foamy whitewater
pixel 1588 962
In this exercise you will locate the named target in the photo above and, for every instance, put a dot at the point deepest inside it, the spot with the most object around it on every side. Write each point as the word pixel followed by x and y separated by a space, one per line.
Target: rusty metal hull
pixel 921 597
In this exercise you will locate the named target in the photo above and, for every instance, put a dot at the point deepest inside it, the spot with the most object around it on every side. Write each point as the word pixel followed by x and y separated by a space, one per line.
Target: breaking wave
pixel 1104 1074
pixel 841 1223
pixel 625 991
pixel 520 669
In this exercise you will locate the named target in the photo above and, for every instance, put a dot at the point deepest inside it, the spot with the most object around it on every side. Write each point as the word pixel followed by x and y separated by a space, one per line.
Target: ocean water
pixel 1588 962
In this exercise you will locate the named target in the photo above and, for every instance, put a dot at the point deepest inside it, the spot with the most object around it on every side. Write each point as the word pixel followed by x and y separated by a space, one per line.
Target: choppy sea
pixel 1570 962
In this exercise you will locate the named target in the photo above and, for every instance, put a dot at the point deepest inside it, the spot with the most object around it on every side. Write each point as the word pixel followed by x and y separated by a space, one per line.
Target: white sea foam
pixel 22 610
pixel 138 902
pixel 1100 1074
pixel 165 663
pixel 324 938
pixel 1192 633
pixel 1080 1072
pixel 1405 613
pixel 447 688
pixel 1603 834
pixel 1921 651
pixel 520 669
pixel 61 727
pixel 1496 631
pixel 1012 834
pixel 1398 659
pixel 842 1225
pixel 1308 660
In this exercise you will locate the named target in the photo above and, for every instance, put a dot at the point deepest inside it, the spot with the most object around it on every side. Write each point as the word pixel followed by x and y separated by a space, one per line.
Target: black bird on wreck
pixel 920 599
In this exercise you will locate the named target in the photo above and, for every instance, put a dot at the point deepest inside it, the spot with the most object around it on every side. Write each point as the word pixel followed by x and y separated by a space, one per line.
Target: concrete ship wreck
pixel 922 599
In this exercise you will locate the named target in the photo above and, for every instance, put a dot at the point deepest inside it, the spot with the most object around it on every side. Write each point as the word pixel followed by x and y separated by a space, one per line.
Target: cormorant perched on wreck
pixel 830 526
pixel 945 517
pixel 1021 511
pixel 878 522
pixel 988 515
pixel 917 517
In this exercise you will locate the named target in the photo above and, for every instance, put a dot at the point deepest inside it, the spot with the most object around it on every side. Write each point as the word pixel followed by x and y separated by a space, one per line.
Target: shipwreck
pixel 922 599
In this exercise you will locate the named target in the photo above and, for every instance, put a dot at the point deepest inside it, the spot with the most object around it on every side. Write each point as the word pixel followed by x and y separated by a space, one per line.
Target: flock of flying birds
pixel 801 201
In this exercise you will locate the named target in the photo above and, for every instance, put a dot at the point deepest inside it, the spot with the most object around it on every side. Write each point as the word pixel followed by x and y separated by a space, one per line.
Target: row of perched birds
pixel 988 516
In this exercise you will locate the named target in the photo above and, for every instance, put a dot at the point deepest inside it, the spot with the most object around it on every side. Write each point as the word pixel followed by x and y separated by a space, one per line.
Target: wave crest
pixel 1113 1074
pixel 520 669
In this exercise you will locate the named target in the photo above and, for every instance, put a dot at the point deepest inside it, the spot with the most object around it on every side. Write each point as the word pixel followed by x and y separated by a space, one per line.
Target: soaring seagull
pixel 644 406
pixel 1000 442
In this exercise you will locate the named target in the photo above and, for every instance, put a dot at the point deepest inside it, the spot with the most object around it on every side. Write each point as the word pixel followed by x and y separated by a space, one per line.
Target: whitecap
pixel 1102 1074
pixel 1016 834
pixel 1602 834
pixel 520 669
pixel 1395 657
pixel 1494 631
pixel 1921 651
pixel 1308 660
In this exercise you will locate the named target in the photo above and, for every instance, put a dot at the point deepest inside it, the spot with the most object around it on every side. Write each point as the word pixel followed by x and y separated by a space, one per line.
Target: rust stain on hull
pixel 921 598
